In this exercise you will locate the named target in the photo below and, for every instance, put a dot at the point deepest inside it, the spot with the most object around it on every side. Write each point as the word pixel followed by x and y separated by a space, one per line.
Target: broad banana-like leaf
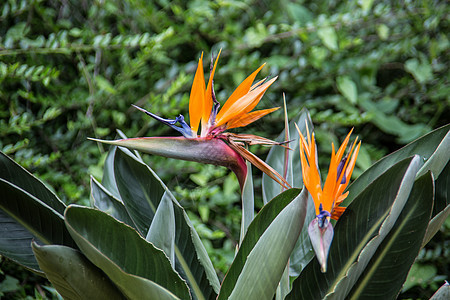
pixel 105 201
pixel 358 233
pixel 264 252
pixel 425 146
pixel 24 218
pixel 140 270
pixel 141 191
pixel 14 173
pixel 204 150
pixel 248 202
pixel 303 251
pixel 108 179
pixel 387 270
pixel 441 207
pixel 73 275
pixel 162 230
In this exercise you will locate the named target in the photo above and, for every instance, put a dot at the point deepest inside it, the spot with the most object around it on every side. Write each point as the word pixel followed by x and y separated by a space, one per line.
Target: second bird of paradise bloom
pixel 205 139
pixel 328 197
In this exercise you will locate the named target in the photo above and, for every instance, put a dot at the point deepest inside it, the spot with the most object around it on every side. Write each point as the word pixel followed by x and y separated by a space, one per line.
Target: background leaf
pixel 347 88
pixel 73 275
pixel 133 264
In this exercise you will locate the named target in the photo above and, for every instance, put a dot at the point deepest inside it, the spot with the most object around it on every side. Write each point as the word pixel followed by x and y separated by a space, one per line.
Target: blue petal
pixel 185 129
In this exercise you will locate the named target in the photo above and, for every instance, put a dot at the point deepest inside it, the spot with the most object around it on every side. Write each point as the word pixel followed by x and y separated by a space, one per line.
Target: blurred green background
pixel 71 69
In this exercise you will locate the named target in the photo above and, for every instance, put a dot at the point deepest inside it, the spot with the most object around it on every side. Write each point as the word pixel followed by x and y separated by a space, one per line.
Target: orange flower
pixel 237 111
pixel 328 198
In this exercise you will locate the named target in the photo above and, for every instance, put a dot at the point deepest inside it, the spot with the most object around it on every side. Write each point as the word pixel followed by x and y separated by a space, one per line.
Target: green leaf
pixel 162 230
pixel 104 85
pixel 266 270
pixel 105 201
pixel 424 146
pixel 140 188
pixel 383 31
pixel 9 284
pixel 14 173
pixel 303 251
pixel 347 88
pixel 419 275
pixel 328 37
pixel 24 218
pixel 138 268
pixel 358 233
pixel 421 71
pixel 108 179
pixel 139 192
pixel 443 293
pixel 399 249
pixel 248 202
pixel 73 275
pixel 441 207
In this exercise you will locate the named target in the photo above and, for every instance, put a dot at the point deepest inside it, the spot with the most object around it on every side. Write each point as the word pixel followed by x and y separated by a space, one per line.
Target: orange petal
pixel 197 97
pixel 257 84
pixel 249 118
pixel 240 107
pixel 208 103
pixel 337 212
pixel 239 92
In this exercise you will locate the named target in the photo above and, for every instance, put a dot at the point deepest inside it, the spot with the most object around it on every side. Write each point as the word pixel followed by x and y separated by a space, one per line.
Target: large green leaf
pixel 388 268
pixel 162 230
pixel 138 268
pixel 358 233
pixel 12 172
pixel 24 218
pixel 108 179
pixel 105 201
pixel 425 146
pixel 73 275
pixel 303 252
pixel 260 266
pixel 441 208
pixel 140 188
pixel 248 202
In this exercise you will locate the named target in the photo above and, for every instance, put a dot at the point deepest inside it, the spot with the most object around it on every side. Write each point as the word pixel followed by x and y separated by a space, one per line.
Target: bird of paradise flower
pixel 326 199
pixel 213 145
